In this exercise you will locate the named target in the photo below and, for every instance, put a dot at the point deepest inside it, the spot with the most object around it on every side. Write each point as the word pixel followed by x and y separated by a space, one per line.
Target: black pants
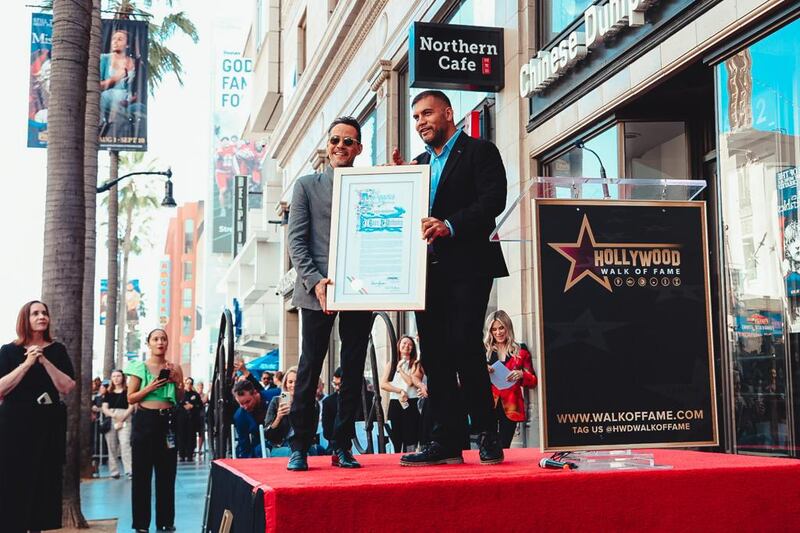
pixel 451 331
pixel 505 427
pixel 185 432
pixel 354 328
pixel 151 453
pixel 405 425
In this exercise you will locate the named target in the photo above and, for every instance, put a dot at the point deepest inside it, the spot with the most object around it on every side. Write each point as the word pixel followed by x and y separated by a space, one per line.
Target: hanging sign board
pixel 624 325
pixel 450 56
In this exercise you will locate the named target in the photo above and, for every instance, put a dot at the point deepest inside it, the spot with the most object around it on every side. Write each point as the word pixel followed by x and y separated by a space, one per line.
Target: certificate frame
pixel 377 258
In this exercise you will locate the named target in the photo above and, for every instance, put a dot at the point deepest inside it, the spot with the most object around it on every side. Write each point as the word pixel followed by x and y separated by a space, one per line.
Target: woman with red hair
pixel 34 372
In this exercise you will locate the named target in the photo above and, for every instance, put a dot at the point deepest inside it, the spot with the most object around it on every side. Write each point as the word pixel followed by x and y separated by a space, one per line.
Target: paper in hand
pixel 500 376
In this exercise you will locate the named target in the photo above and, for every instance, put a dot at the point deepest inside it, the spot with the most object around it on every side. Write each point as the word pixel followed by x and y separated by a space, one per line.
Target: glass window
pixel 187 298
pixel 758 151
pixel 369 140
pixel 558 14
pixel 656 150
pixel 261 22
pixel 188 235
pixel 187 271
pixel 186 352
pixel 186 328
pixel 579 162
pixel 302 44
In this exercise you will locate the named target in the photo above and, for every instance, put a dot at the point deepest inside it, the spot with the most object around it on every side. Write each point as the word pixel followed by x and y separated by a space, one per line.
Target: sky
pixel 179 136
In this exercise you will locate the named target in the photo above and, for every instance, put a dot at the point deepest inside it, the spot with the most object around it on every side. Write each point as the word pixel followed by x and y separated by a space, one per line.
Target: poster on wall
pixel 624 325
pixel 123 85
pixel 790 229
pixel 39 91
pixel 232 155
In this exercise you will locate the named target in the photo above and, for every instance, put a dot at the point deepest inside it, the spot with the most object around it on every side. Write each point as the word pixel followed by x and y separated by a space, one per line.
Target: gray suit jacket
pixel 309 235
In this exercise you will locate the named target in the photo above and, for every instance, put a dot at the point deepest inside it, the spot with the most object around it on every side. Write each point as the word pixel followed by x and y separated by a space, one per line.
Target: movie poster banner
pixel 624 325
pixel 39 92
pixel 123 85
pixel 232 155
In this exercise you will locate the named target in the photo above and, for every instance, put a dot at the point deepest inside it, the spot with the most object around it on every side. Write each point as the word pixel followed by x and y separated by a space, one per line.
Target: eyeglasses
pixel 348 141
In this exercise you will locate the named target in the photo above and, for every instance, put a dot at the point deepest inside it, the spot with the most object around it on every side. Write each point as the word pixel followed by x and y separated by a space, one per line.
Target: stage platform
pixel 702 492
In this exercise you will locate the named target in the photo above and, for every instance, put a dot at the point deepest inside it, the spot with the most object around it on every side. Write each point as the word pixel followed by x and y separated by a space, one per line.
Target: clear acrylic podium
pixel 516 224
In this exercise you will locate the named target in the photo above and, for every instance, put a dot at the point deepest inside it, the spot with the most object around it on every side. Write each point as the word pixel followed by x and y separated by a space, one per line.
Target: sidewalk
pixel 105 497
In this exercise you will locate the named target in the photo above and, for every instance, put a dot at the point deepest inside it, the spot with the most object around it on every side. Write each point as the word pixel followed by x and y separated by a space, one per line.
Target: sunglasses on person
pixel 348 141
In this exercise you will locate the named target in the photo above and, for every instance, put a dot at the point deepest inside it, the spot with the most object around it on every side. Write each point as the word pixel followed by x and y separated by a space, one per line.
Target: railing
pixel 374 414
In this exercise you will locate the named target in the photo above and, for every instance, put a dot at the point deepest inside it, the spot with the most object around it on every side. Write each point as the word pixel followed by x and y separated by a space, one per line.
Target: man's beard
pixel 437 140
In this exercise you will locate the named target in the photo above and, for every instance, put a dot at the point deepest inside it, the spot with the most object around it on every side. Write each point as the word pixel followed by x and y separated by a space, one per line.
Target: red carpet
pixel 702 492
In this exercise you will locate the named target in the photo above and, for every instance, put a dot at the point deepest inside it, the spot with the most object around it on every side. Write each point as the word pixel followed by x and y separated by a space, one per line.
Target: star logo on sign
pixel 580 254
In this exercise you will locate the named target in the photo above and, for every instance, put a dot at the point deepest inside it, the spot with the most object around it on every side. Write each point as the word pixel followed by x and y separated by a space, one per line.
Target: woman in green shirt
pixel 155 386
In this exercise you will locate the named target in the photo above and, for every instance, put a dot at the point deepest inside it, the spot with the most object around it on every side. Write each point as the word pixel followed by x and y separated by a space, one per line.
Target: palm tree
pixel 161 61
pixel 64 235
pixel 90 147
pixel 134 207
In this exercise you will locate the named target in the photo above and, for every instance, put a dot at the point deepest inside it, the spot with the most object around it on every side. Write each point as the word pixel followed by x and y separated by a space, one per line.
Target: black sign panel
pixel 239 213
pixel 450 56
pixel 624 322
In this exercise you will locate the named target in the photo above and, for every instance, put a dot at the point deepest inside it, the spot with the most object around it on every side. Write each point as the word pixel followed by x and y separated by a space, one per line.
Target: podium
pixel 621 314
pixel 510 229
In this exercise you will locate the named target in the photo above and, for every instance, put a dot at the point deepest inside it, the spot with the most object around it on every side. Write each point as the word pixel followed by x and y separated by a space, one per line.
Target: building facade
pixel 676 89
pixel 180 271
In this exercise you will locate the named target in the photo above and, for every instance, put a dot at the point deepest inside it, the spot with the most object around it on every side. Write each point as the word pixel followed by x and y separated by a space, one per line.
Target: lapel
pixel 452 160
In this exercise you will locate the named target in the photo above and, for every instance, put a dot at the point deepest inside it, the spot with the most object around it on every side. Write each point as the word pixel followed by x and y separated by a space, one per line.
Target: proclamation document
pixel 377 255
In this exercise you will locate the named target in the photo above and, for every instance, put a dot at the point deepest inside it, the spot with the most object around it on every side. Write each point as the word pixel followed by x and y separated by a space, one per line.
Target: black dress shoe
pixel 490 449
pixel 432 453
pixel 344 459
pixel 298 461
pixel 167 528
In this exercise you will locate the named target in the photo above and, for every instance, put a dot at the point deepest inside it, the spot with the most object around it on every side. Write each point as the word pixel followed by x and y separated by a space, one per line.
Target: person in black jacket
pixel 468 191
pixel 187 415
pixel 329 408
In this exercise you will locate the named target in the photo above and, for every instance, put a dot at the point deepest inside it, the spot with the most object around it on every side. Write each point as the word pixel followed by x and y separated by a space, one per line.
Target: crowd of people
pixel 262 418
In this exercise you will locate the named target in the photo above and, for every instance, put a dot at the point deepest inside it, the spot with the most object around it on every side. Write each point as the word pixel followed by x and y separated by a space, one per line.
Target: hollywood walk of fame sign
pixel 624 325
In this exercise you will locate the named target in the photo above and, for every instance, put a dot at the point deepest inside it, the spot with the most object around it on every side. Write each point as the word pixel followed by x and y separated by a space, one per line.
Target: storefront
pixel 695 90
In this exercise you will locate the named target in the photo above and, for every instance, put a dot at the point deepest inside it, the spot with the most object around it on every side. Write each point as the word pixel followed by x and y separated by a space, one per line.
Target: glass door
pixel 759 148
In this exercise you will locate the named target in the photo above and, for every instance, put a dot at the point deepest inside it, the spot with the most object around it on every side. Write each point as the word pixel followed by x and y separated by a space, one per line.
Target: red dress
pixel 513 403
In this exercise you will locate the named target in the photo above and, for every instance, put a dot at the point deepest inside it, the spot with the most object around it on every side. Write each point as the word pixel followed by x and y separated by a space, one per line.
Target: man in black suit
pixel 468 191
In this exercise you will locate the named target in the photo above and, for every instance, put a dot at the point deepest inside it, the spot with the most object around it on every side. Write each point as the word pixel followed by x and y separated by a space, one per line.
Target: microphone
pixel 582 146
pixel 556 465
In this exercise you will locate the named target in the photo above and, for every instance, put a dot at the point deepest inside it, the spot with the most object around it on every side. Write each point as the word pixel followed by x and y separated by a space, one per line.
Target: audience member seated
pixel 277 423
pixel 251 413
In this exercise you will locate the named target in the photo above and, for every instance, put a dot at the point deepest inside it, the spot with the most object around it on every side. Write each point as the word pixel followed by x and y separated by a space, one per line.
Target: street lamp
pixel 168 200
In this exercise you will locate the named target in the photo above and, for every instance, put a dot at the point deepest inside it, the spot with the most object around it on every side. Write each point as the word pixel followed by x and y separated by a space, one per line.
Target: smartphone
pixel 164 374
pixel 284 397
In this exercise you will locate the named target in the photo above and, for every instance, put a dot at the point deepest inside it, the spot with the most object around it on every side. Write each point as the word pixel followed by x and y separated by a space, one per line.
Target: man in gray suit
pixel 309 240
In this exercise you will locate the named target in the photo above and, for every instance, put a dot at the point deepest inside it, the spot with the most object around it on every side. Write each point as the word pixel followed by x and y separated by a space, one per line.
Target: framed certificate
pixel 377 255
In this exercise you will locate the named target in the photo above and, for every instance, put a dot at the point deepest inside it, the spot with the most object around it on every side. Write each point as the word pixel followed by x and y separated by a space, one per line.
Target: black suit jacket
pixel 470 195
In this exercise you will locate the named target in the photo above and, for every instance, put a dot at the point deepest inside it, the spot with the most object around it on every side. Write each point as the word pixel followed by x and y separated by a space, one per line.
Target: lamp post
pixel 113 250
pixel 168 200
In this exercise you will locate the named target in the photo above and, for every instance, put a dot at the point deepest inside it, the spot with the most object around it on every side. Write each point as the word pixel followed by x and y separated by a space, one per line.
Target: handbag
pixel 105 425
